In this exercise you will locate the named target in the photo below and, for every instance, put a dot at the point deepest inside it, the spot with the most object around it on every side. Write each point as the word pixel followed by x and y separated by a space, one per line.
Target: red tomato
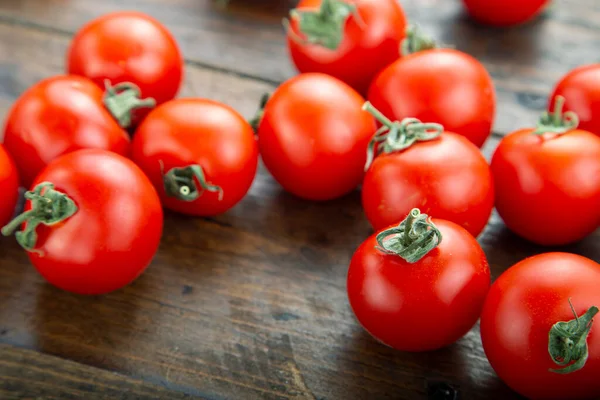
pixel 128 47
pixel 350 40
pixel 313 136
pixel 548 184
pixel 443 175
pixel 581 90
pixel 56 116
pixel 200 155
pixel 504 12
pixel 9 186
pixel 423 299
pixel 444 86
pixel 521 327
pixel 92 223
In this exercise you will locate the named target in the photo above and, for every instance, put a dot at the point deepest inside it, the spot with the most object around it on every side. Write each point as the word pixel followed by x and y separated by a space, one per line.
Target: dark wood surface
pixel 252 304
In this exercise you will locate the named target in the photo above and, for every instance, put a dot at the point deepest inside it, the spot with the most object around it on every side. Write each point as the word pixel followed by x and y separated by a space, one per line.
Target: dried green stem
pixel 416 41
pixel 187 183
pixel 122 99
pixel 558 121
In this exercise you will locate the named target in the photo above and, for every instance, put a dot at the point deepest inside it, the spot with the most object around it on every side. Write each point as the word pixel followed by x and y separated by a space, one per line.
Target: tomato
pixel 128 46
pixel 445 86
pixel 313 136
pixel 200 155
pixel 548 180
pixel 351 40
pixel 9 186
pixel 504 12
pixel 59 115
pixel 418 286
pixel 92 222
pixel 442 173
pixel 528 324
pixel 581 90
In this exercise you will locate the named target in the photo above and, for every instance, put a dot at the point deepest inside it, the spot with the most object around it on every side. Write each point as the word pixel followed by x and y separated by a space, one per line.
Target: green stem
pixel 567 341
pixel 48 207
pixel 324 26
pixel 255 121
pixel 122 99
pixel 558 121
pixel 412 239
pixel 181 183
pixel 416 41
pixel 397 136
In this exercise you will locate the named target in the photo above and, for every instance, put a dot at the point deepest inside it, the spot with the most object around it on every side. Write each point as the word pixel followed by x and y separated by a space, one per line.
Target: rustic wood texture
pixel 252 304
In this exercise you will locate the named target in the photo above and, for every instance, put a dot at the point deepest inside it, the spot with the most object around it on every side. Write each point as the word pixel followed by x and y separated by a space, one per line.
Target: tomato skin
pixel 313 137
pixel 56 116
pixel 440 85
pixel 522 305
pixel 377 41
pixel 128 46
pixel 504 13
pixel 581 90
pixel 115 232
pixel 446 177
pixel 422 306
pixel 548 187
pixel 198 131
pixel 9 186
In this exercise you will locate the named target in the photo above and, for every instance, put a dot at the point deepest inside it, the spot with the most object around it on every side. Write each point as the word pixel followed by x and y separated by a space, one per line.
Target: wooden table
pixel 252 304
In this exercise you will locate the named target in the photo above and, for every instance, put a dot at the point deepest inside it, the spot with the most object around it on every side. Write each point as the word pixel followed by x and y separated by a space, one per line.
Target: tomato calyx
pixel 122 99
pixel 416 41
pixel 325 26
pixel 181 183
pixel 397 136
pixel 557 122
pixel 48 207
pixel 255 120
pixel 416 236
pixel 567 341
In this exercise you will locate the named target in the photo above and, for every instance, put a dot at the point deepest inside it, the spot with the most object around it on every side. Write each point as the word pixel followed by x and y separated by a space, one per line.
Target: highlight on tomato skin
pixel 418 298
pixel 504 13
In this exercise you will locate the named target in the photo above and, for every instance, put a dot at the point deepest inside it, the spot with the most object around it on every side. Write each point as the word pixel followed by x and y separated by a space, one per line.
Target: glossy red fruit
pixel 92 222
pixel 538 323
pixel 504 12
pixel 421 291
pixel 9 186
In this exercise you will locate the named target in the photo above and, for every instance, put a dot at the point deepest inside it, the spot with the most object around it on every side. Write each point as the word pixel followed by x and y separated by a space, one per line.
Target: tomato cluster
pixel 407 126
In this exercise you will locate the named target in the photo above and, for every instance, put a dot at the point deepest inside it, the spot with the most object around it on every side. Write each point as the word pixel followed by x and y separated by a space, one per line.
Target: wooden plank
pixel 25 374
pixel 248 305
pixel 247 38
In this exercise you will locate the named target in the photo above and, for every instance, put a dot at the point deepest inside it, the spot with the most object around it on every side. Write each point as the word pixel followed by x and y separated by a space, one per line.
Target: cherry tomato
pixel 313 136
pixel 418 286
pixel 442 173
pixel 56 116
pixel 128 46
pixel 548 181
pixel 9 186
pixel 200 155
pixel 444 86
pixel 535 327
pixel 581 90
pixel 351 40
pixel 504 12
pixel 92 222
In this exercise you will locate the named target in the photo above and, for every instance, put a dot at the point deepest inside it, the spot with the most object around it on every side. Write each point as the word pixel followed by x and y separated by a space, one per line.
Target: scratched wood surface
pixel 252 304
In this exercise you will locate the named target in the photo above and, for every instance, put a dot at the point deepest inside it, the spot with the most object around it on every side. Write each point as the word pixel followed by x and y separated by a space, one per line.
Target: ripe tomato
pixel 351 40
pixel 128 46
pixel 9 186
pixel 581 90
pixel 200 155
pixel 313 136
pixel 56 116
pixel 92 223
pixel 419 166
pixel 419 286
pixel 444 86
pixel 548 180
pixel 531 333
pixel 504 12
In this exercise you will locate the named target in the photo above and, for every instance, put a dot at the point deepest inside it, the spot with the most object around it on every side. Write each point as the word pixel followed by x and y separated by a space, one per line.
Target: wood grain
pixel 247 38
